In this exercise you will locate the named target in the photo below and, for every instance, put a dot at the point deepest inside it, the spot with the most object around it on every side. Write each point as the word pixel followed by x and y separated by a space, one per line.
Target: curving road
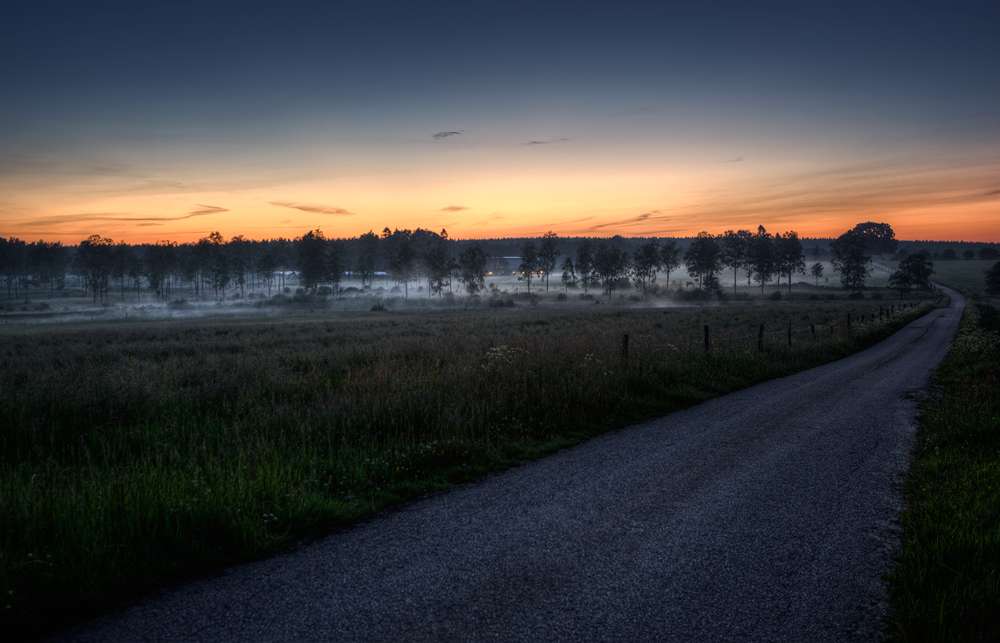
pixel 764 515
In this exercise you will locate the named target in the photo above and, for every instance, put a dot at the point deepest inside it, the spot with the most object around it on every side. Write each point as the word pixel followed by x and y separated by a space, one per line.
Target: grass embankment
pixel 132 455
pixel 946 585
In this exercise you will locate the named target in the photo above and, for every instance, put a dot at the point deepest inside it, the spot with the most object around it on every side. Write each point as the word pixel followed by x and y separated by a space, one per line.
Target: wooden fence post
pixel 706 340
pixel 812 327
pixel 625 348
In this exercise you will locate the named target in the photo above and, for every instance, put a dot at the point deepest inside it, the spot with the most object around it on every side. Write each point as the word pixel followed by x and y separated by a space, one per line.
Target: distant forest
pixel 213 265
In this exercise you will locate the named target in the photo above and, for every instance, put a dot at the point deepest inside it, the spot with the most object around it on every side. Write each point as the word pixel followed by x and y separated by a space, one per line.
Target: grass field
pixel 136 454
pixel 946 585
pixel 965 276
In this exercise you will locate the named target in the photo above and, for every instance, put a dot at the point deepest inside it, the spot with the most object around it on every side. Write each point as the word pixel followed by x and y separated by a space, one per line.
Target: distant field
pixel 137 453
pixel 966 276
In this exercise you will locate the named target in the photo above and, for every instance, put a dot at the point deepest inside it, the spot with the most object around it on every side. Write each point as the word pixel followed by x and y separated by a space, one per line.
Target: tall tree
pixel 548 255
pixel 568 273
pixel 851 260
pixel 993 279
pixel 913 272
pixel 763 263
pixel 439 265
pixel 94 255
pixel 645 263
pixel 702 260
pixel 401 255
pixel 670 258
pixel 734 251
pixel 612 265
pixel 160 260
pixel 788 251
pixel 472 269
pixel 878 238
pixel 219 266
pixel 817 271
pixel 368 245
pixel 13 260
pixel 529 263
pixel 312 253
pixel 585 265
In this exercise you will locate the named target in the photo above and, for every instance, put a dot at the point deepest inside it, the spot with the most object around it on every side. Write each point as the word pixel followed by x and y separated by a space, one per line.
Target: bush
pixel 775 296
pixel 178 303
pixel 378 308
pixel 562 296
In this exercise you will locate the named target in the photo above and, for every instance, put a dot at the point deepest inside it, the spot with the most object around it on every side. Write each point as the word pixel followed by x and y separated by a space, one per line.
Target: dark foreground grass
pixel 135 455
pixel 946 585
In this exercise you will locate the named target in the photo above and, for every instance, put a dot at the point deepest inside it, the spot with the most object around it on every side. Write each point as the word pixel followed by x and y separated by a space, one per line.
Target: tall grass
pixel 946 585
pixel 135 455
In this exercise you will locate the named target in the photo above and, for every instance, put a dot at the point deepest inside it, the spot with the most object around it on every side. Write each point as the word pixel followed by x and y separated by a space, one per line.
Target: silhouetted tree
pixel 645 263
pixel 160 260
pixel 94 256
pixel 585 265
pixel 472 269
pixel 817 271
pixel 548 255
pixel 529 263
pixel 734 250
pixel 611 265
pixel 702 260
pixel 312 253
pixel 913 272
pixel 989 254
pixel 851 260
pixel 670 258
pixel 878 238
pixel 993 279
pixel 763 260
pixel 13 261
pixel 789 257
pixel 367 258
pixel 568 273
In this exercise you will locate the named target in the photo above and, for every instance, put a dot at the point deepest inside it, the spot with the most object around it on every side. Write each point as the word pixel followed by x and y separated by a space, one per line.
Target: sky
pixel 166 121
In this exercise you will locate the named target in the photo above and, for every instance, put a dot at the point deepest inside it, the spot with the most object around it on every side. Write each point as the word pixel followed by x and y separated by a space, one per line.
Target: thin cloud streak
pixel 314 208
pixel 445 134
pixel 455 208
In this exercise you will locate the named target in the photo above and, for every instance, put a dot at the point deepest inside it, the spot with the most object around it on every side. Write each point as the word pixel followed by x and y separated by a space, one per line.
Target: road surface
pixel 764 515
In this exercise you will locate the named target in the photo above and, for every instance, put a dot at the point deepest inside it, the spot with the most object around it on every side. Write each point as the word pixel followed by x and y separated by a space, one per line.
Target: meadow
pixel 136 454
pixel 966 276
pixel 946 581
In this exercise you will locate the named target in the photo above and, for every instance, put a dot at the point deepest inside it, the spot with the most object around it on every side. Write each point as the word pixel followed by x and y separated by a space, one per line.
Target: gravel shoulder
pixel 767 515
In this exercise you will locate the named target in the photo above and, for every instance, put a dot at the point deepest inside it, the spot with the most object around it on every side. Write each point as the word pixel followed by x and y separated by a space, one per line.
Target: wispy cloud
pixel 547 142
pixel 455 208
pixel 990 193
pixel 311 207
pixel 735 160
pixel 122 217
pixel 445 134
pixel 208 209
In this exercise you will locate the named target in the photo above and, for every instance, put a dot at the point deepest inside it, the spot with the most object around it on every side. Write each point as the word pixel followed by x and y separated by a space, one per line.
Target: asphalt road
pixel 764 515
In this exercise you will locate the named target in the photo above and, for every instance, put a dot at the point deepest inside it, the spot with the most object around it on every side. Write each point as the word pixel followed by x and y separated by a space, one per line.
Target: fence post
pixel 760 338
pixel 706 339
pixel 625 348
pixel 789 333
pixel 880 311
pixel 812 327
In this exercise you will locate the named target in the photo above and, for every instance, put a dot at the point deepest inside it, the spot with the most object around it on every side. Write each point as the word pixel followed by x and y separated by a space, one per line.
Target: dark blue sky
pixel 268 100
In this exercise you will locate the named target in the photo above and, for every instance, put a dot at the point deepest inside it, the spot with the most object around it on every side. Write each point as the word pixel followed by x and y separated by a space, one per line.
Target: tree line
pixel 214 265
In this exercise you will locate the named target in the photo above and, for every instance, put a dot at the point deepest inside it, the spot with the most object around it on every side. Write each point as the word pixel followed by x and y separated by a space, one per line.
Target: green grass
pixel 968 276
pixel 946 585
pixel 137 454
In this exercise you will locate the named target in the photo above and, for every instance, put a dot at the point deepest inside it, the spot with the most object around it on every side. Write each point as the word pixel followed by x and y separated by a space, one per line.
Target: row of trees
pixel 214 264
